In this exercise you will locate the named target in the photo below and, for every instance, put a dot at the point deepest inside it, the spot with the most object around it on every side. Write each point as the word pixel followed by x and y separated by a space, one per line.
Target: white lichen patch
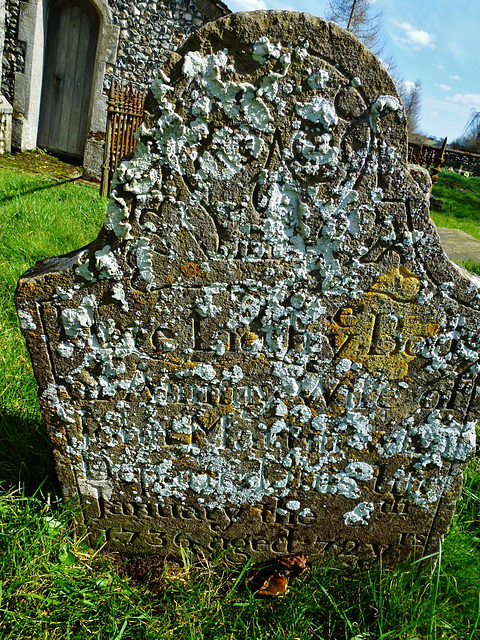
pixel 360 515
pixel 318 153
pixel 117 217
pixel 319 79
pixel 234 99
pixel 384 104
pixel 263 49
pixel 76 320
pixel 257 328
pixel 318 110
pixel 27 322
pixel 107 265
pixel 144 259
pixel 118 293
pixel 65 349
pixel 82 268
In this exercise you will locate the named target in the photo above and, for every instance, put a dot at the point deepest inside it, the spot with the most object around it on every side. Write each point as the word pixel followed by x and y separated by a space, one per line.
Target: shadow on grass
pixel 26 456
pixel 48 186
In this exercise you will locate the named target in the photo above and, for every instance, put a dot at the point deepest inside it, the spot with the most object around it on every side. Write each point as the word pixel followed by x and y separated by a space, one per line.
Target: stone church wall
pixel 149 32
pixel 135 39
pixel 13 52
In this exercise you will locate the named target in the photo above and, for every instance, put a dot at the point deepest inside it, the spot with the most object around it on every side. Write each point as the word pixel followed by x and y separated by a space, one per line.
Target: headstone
pixel 265 351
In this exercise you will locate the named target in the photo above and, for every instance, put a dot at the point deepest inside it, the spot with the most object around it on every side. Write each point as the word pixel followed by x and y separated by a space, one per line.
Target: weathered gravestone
pixel 265 351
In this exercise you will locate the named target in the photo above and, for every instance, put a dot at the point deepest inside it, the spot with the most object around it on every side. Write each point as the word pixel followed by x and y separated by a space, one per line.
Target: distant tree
pixel 470 138
pixel 411 96
pixel 356 16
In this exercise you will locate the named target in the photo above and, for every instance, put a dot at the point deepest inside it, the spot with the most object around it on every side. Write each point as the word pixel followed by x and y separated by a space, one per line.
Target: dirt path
pixel 458 245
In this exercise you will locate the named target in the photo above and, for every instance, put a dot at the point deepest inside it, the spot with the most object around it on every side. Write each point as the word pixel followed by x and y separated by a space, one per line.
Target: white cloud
pixel 408 85
pixel 417 37
pixel 454 78
pixel 442 106
pixel 248 5
pixel 471 99
pixel 445 87
pixel 439 66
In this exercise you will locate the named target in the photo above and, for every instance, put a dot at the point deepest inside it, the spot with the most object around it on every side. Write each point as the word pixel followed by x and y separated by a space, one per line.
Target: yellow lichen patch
pixel 185 461
pixel 210 418
pixel 174 363
pixel 269 516
pixel 248 338
pixel 296 477
pixel 337 410
pixel 255 511
pixel 186 438
pixel 381 332
pixel 228 395
pixel 309 479
pixel 27 291
pixel 146 298
pixel 192 271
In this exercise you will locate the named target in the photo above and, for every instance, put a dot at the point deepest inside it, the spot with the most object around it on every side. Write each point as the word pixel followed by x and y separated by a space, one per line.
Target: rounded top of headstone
pixel 302 55
pixel 304 33
pixel 256 103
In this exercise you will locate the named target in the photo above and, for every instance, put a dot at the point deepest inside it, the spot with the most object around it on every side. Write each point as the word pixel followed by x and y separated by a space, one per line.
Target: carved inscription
pixel 265 351
pixel 383 332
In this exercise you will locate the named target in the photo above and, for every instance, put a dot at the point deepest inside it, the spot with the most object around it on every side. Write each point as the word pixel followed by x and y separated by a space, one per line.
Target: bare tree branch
pixel 412 101
pixel 355 16
pixel 470 138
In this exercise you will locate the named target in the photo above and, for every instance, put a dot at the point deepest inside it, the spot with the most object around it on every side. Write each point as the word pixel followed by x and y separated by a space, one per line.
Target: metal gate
pixel 429 157
pixel 124 115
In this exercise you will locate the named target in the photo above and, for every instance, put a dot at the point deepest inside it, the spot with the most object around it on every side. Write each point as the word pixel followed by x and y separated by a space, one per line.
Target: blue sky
pixel 434 41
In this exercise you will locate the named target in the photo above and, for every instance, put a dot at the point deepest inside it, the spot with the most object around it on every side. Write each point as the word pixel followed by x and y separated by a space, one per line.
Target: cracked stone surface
pixel 266 350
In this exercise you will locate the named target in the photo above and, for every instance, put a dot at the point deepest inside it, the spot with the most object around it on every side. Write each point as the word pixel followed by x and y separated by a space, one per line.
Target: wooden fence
pixel 124 115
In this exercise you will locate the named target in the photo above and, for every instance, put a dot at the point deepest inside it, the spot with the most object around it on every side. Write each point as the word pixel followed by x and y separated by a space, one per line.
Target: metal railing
pixel 124 115
pixel 426 156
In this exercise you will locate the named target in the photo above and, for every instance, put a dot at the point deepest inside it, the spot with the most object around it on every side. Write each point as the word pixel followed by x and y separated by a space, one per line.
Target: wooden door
pixel 71 43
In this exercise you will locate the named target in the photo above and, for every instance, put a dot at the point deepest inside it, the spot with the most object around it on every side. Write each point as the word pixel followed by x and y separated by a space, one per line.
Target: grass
pixel 461 203
pixel 54 586
pixel 39 218
pixel 38 161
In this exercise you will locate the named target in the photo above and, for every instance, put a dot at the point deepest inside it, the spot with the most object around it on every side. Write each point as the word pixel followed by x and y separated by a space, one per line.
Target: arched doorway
pixel 70 48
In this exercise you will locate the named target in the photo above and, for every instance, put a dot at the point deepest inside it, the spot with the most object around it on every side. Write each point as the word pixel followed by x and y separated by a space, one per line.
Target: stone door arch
pixel 70 51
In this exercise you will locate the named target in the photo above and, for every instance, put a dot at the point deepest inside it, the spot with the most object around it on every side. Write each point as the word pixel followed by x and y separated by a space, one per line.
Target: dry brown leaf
pixel 276 585
pixel 271 578
pixel 294 565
